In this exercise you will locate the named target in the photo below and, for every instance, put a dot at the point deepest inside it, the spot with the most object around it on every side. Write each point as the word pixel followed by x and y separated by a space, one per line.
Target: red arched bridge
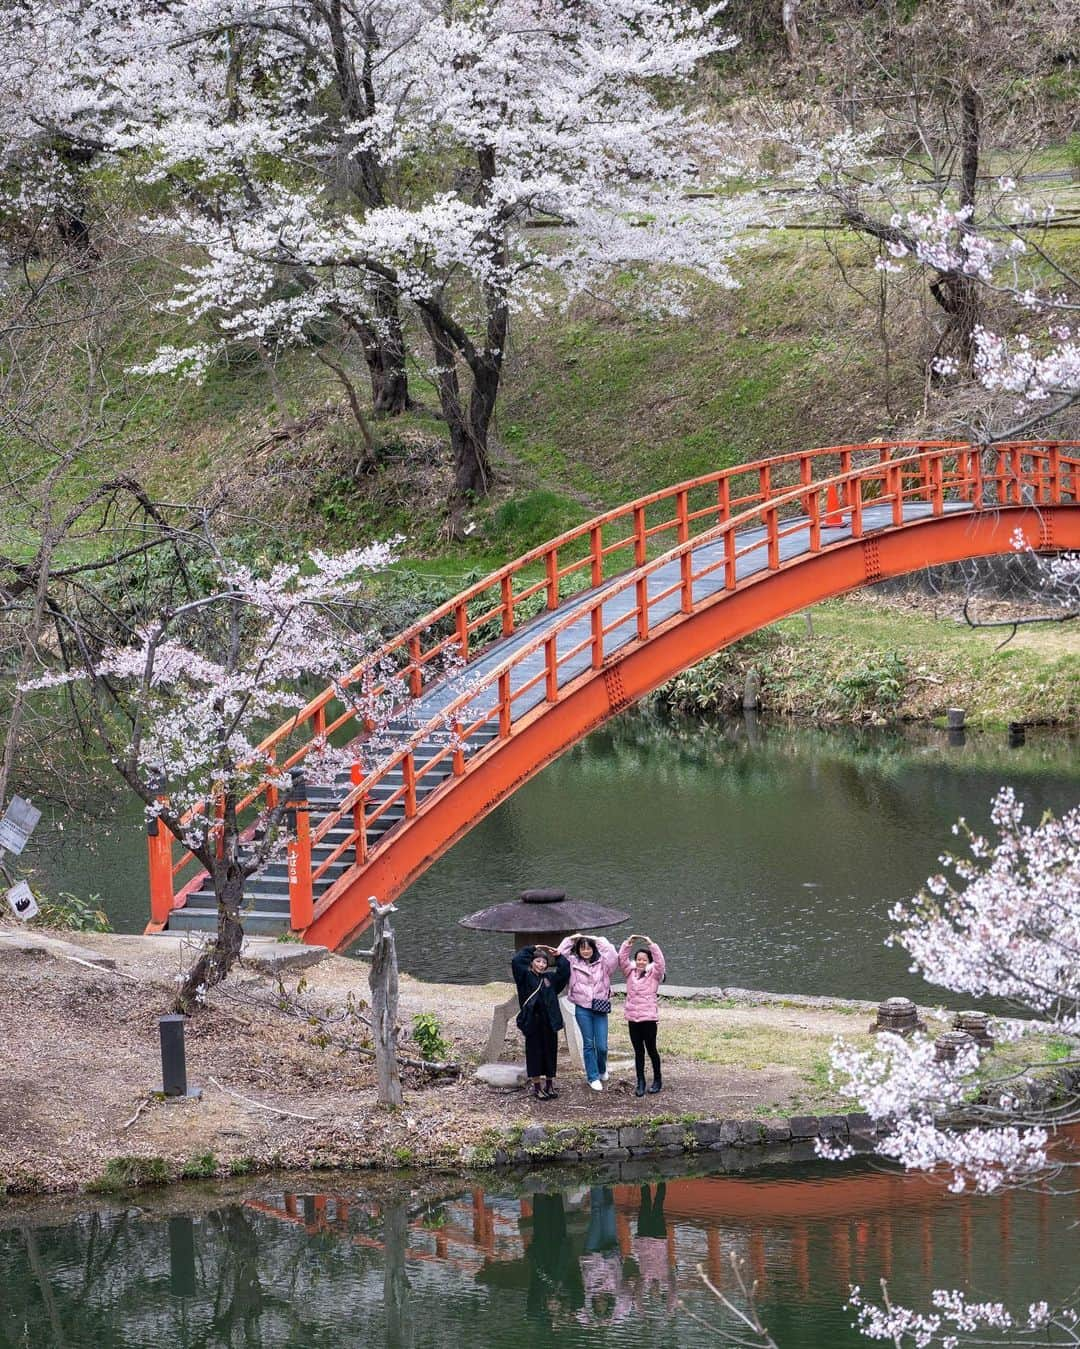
pixel 551 645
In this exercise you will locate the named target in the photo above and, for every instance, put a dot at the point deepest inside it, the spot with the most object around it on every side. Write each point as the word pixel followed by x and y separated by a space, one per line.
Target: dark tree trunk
pixel 214 964
pixel 386 356
pixel 956 292
pixel 468 428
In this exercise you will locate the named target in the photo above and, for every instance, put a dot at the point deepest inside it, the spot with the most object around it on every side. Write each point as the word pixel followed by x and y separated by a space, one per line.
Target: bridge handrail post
pixel 845 489
pixel 640 541
pixel 1016 468
pixel 771 534
pixel 596 553
pixel 977 487
pixel 506 604
pixel 551 565
pixel 894 487
pixel 937 479
pixel 596 617
pixel 641 598
pixel 416 677
pixel 159 847
pixel 765 481
pixel 814 512
pixel 855 486
pixel 730 576
pixel 1054 474
pixel 682 516
pixel 356 777
pixel 723 499
pixel 301 893
pixel 504 704
pixel 551 669
pixel 408 772
pixel 806 477
pixel 461 622
pixel 457 761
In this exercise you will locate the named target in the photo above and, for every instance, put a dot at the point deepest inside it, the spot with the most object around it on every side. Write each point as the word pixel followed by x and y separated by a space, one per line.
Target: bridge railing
pixel 932 476
pixel 818 483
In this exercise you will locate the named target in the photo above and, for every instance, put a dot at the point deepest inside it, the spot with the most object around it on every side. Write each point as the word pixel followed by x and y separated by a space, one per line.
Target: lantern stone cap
pixel 548 910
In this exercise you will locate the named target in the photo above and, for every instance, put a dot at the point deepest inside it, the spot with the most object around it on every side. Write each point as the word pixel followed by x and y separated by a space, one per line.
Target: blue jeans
pixel 593 1027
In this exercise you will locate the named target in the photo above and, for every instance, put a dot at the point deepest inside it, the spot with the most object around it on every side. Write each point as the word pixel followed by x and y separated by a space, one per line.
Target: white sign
pixel 20 820
pixel 23 904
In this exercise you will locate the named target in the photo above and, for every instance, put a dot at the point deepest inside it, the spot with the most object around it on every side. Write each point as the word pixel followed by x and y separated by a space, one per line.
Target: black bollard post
pixel 173 1063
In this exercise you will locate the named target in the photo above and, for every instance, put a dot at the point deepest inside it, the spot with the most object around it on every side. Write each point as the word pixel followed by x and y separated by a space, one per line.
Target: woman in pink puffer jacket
pixel 592 963
pixel 644 975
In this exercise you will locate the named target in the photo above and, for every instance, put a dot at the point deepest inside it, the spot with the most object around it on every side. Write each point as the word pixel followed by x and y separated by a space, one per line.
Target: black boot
pixel 640 1085
pixel 657 1081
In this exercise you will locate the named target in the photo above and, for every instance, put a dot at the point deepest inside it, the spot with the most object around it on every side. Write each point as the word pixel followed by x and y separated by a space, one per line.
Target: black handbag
pixel 601 1006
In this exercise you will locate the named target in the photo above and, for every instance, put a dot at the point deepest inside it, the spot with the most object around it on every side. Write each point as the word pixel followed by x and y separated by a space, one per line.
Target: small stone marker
pixel 23 904
pixel 899 1016
pixel 977 1025
pixel 949 1044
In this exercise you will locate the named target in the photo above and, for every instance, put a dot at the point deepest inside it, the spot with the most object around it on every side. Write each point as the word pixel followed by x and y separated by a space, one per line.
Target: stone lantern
pixel 539 918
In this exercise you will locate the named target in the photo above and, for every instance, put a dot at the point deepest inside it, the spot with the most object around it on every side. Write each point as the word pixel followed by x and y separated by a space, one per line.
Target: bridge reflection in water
pixel 602 1254
pixel 412 1263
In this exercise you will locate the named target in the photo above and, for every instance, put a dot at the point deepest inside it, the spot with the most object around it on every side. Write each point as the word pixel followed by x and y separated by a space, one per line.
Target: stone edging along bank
pixel 795 1136
pixel 613 1143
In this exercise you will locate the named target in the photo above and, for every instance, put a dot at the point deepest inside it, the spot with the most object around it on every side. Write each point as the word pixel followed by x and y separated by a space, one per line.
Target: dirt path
pixel 79 1062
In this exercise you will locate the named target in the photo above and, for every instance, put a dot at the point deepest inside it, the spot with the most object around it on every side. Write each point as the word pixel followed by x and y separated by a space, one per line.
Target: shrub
pixel 427 1032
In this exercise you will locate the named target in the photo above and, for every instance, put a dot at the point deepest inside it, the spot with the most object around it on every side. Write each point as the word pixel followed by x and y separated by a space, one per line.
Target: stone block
pixel 665 1135
pixel 705 1131
pixel 804 1126
pixel 631 1136
pixel 833 1126
pixel 750 1133
pixel 777 1131
pixel 860 1122
pixel 534 1136
pixel 502 1076
pixel 615 1154
pixel 653 1150
pixel 603 1140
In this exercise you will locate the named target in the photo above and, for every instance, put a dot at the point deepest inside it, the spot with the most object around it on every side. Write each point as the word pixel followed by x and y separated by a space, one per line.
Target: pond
pixel 614 1258
pixel 761 856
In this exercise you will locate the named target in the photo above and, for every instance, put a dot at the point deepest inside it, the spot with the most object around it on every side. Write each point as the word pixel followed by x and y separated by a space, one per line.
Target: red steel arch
pixel 809 526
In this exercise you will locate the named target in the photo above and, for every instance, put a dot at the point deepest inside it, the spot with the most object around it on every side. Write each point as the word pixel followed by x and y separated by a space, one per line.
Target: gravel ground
pixel 79 1065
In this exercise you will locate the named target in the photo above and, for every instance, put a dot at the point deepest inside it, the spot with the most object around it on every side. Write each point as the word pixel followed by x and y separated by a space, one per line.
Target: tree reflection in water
pixel 413 1267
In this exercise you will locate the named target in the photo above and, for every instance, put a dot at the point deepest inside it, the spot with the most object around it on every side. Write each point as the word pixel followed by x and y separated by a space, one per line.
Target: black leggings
pixel 541 1049
pixel 642 1037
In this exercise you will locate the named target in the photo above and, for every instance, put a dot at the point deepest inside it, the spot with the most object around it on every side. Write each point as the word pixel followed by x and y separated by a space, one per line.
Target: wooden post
pixel 301 894
pixel 159 841
pixel 356 776
pixel 383 981
pixel 552 565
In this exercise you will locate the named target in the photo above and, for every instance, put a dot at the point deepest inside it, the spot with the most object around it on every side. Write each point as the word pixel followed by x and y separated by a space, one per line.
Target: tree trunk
pixel 957 293
pixel 215 962
pixel 384 1004
pixel 386 356
pixel 788 11
pixel 468 430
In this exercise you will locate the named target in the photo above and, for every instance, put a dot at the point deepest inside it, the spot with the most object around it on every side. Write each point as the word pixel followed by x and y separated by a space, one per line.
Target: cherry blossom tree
pixel 182 701
pixel 324 179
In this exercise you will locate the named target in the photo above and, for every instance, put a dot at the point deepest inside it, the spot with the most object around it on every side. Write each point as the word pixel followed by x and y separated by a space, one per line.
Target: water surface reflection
pixel 616 1260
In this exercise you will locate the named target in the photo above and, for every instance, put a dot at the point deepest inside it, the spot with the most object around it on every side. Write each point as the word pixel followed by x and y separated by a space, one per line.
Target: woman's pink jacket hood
pixel 590 979
pixel 642 998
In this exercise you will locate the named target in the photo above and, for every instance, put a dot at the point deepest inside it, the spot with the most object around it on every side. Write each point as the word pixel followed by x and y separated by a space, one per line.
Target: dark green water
pixel 510 1263
pixel 762 858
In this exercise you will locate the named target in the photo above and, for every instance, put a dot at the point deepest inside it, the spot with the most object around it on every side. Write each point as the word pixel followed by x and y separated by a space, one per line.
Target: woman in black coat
pixel 540 975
